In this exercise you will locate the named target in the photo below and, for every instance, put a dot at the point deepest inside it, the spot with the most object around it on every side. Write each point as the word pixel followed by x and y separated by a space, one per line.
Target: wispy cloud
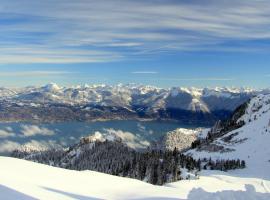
pixel 144 72
pixel 8 146
pixel 6 133
pixel 102 31
pixel 33 73
pixel 32 130
pixel 197 79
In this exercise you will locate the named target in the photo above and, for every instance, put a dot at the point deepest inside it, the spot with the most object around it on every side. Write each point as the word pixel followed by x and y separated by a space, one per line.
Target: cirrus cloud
pixel 104 31
pixel 33 73
pixel 144 72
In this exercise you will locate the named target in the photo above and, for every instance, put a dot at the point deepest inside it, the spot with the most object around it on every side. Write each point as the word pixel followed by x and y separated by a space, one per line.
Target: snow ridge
pixel 250 142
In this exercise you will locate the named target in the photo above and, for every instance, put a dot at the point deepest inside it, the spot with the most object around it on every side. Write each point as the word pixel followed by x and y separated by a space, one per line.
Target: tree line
pixel 115 158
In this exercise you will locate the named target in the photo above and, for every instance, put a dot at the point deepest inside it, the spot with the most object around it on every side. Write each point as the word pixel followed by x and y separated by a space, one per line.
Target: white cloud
pixel 6 133
pixel 128 138
pixel 33 73
pixel 198 79
pixel 124 44
pixel 132 140
pixel 64 31
pixel 32 130
pixel 8 146
pixel 144 72
pixel 34 54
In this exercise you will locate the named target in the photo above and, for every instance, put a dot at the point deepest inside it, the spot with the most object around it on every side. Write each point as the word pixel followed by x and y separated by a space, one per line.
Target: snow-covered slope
pixel 25 180
pixel 249 142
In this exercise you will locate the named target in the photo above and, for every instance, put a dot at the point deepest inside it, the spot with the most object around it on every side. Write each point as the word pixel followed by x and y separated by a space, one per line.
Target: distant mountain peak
pixel 51 87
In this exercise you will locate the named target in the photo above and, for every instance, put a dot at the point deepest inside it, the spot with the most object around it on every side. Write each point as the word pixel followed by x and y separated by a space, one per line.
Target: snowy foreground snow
pixel 21 180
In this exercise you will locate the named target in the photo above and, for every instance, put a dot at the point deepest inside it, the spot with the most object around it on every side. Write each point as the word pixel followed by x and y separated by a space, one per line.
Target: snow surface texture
pixel 250 142
pixel 25 180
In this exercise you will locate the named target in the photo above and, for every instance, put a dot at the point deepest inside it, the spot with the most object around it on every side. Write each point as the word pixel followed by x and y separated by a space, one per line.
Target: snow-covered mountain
pixel 249 141
pixel 120 101
pixel 194 99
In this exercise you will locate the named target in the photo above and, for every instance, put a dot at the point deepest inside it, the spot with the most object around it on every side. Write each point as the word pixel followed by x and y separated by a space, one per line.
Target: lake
pixel 13 134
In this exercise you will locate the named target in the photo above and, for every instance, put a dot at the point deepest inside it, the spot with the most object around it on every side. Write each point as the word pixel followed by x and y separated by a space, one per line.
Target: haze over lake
pixel 14 134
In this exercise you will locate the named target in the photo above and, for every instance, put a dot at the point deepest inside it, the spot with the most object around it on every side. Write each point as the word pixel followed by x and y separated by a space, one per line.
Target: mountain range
pixel 103 102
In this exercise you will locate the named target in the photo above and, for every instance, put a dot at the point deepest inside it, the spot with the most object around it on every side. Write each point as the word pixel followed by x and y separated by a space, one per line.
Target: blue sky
pixel 163 43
